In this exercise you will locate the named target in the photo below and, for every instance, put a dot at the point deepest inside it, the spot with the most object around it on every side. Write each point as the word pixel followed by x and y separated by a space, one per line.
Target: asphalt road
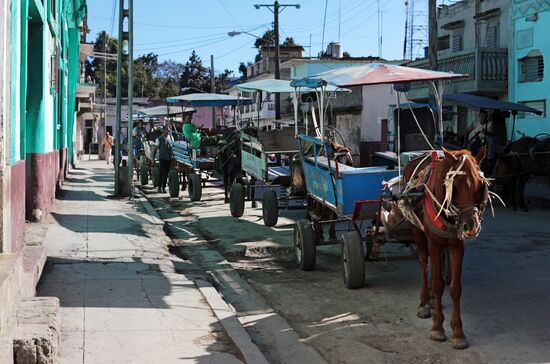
pixel 506 287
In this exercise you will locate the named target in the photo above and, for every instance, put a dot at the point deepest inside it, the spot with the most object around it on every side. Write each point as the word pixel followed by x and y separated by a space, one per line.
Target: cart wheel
pixel 446 266
pixel 173 183
pixel 304 245
pixel 155 176
pixel 143 175
pixel 353 260
pixel 236 200
pixel 270 208
pixel 194 187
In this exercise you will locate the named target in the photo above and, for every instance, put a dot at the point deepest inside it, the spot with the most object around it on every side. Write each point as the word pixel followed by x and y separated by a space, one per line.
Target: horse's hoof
pixel 459 344
pixel 438 336
pixel 423 312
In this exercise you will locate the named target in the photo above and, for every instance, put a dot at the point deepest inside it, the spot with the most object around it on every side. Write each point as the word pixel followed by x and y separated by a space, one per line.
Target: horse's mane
pixel 470 167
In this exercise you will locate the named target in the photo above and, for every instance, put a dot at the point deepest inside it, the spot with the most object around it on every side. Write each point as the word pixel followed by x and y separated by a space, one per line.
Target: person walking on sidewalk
pixel 162 146
pixel 107 145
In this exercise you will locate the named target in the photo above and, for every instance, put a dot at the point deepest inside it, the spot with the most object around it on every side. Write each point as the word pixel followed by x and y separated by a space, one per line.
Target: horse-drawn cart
pixel 195 165
pixel 357 197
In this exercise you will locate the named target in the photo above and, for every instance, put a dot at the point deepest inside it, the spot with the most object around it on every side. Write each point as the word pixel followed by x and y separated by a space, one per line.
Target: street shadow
pixel 114 224
pixel 66 195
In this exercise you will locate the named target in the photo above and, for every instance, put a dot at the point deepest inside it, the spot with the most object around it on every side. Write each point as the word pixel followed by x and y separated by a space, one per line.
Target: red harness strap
pixel 428 203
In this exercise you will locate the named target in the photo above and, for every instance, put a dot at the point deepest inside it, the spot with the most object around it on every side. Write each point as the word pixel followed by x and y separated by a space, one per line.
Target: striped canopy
pixel 208 99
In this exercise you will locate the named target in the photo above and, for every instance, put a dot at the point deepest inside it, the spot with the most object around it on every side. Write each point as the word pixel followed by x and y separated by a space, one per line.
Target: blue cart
pixel 350 195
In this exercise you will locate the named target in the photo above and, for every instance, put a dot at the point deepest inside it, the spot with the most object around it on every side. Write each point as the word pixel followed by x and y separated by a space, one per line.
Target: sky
pixel 174 28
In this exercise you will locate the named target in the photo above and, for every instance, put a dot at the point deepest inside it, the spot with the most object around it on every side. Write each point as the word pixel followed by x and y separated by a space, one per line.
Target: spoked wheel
pixel 155 175
pixel 143 175
pixel 353 260
pixel 270 208
pixel 236 200
pixel 173 183
pixel 195 187
pixel 304 245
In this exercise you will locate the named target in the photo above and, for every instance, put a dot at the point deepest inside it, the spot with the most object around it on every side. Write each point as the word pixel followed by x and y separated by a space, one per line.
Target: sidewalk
pixel 124 297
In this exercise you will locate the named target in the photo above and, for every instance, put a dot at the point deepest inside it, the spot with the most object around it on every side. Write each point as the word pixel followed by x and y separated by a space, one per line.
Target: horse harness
pixel 442 218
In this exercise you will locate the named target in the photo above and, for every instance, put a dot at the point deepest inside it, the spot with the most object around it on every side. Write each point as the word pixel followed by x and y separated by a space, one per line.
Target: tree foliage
pixel 153 79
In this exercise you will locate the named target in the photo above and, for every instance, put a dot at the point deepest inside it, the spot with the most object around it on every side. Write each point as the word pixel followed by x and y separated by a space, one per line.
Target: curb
pixel 231 324
pixel 225 315
pixel 140 196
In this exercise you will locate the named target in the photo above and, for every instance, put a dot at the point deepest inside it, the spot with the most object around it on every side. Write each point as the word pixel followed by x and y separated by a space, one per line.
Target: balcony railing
pixel 487 70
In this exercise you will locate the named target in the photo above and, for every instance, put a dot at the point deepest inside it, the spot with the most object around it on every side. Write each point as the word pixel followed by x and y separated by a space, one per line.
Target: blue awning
pixel 481 102
pixel 208 99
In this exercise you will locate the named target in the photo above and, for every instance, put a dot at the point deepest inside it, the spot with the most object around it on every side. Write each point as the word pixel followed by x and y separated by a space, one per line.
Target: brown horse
pixel 521 159
pixel 457 188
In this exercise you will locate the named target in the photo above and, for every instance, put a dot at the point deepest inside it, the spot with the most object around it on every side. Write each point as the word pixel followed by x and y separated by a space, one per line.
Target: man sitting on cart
pixel 195 137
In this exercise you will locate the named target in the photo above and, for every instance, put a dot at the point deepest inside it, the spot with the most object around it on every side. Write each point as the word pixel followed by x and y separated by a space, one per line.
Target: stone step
pixel 37 331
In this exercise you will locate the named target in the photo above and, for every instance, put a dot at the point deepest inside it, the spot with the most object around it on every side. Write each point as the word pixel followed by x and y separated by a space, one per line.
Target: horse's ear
pixel 449 155
pixel 481 154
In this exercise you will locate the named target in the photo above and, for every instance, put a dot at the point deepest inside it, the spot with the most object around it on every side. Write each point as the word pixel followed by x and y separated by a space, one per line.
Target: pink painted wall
pixel 203 115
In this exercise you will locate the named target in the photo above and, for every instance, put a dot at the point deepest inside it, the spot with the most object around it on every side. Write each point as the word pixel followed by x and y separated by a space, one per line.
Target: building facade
pixel 39 42
pixel 529 51
pixel 473 38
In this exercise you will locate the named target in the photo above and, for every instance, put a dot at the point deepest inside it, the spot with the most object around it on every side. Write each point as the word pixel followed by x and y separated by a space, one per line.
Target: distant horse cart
pixel 436 201
pixel 269 152
pixel 195 165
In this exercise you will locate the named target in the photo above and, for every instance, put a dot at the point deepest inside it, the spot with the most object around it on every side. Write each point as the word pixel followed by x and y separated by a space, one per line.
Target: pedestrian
pixel 107 145
pixel 162 146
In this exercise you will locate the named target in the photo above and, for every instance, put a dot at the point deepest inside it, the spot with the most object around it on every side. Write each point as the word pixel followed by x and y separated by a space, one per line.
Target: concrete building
pixel 39 64
pixel 529 49
pixel 473 39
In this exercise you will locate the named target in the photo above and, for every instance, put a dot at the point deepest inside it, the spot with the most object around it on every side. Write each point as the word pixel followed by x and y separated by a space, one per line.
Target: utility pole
pixel 104 93
pixel 432 54
pixel 213 88
pixel 124 36
pixel 276 9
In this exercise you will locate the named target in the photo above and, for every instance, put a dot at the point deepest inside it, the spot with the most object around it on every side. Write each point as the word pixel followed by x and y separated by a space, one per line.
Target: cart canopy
pixel 164 110
pixel 279 86
pixel 480 102
pixel 208 99
pixel 376 74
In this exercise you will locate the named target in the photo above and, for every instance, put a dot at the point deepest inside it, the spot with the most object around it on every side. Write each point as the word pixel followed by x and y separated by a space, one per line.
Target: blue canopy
pixel 279 86
pixel 487 103
pixel 208 99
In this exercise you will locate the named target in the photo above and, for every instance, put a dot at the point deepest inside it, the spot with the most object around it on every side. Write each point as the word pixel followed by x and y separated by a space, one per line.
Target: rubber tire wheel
pixel 236 200
pixel 304 245
pixel 173 183
pixel 143 175
pixel 155 176
pixel 353 260
pixel 194 187
pixel 446 266
pixel 270 208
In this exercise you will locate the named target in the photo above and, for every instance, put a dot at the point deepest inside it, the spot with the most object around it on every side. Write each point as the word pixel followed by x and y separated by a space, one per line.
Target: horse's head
pixel 342 154
pixel 464 190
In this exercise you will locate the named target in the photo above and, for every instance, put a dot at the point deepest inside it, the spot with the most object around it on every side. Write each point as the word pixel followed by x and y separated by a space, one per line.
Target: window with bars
pixel 531 68
pixel 539 105
pixel 458 42
pixel 491 37
pixel 443 43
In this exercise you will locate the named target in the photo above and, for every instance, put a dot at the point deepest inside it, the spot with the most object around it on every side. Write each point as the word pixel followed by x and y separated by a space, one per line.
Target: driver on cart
pixel 195 137
pixel 138 133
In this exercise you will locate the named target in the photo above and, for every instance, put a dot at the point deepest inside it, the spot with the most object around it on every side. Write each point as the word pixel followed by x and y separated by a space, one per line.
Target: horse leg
pixel 225 185
pixel 521 192
pixel 456 252
pixel 253 192
pixel 420 241
pixel 438 285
